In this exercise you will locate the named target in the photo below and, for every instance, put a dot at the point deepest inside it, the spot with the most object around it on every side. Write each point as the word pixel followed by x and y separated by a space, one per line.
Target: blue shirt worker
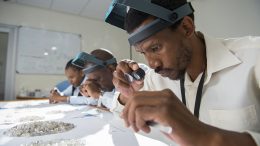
pixel 71 89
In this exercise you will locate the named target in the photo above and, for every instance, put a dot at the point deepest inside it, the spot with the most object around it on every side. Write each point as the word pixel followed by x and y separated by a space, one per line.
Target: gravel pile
pixel 38 129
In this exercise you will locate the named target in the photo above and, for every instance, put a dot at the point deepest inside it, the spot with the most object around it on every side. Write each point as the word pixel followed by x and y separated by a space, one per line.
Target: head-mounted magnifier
pixel 94 63
pixel 118 11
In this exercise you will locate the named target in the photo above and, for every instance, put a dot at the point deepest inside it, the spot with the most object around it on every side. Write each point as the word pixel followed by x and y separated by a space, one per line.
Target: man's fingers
pixel 147 98
pixel 144 106
pixel 85 93
pixel 124 115
pixel 140 122
pixel 139 82
pixel 123 67
pixel 131 114
pixel 133 65
pixel 141 98
pixel 120 82
pixel 120 76
pixel 51 101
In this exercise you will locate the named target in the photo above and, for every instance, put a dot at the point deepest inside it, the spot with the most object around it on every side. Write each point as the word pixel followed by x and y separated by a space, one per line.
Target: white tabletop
pixel 94 127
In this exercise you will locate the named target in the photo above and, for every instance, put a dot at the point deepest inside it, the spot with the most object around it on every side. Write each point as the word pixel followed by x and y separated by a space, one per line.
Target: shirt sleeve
pixel 255 136
pixel 144 67
pixel 116 107
pixel 83 100
pixel 107 99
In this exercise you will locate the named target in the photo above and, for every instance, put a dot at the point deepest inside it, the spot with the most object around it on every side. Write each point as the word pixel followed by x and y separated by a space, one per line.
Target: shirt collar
pixel 219 57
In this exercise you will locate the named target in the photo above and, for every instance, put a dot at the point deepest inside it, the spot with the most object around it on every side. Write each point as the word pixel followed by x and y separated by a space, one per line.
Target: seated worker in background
pixel 214 97
pixel 99 66
pixel 72 93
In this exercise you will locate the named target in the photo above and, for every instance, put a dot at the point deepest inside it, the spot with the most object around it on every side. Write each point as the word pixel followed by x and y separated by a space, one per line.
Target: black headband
pixel 118 11
pixel 83 58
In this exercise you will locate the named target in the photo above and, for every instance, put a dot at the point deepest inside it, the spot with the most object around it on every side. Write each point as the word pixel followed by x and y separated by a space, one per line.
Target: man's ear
pixel 188 26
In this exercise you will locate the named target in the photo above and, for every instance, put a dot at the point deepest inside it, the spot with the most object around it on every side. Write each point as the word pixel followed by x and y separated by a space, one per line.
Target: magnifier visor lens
pixel 92 68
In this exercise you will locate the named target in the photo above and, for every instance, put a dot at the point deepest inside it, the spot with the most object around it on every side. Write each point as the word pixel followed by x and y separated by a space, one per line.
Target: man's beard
pixel 177 75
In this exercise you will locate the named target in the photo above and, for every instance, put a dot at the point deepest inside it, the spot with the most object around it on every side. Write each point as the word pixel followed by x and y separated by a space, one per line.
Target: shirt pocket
pixel 235 119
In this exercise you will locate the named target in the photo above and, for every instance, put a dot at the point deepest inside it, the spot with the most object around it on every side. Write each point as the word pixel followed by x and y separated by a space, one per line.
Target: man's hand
pixel 55 97
pixel 90 89
pixel 121 83
pixel 83 90
pixel 163 107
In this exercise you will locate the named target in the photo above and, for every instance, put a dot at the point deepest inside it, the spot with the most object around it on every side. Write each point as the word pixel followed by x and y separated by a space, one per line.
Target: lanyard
pixel 198 95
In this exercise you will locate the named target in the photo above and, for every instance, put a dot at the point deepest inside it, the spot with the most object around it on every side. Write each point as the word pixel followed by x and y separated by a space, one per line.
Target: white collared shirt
pixel 231 92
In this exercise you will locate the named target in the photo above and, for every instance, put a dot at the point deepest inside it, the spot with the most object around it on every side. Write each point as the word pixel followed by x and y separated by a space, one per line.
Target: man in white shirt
pixel 204 89
pixel 72 93
pixel 98 66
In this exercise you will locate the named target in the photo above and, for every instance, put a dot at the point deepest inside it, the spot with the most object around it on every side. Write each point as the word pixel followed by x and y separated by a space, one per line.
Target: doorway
pixel 8 39
pixel 3 62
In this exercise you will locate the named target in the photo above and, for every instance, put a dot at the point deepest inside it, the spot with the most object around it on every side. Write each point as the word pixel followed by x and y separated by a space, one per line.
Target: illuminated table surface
pixel 94 127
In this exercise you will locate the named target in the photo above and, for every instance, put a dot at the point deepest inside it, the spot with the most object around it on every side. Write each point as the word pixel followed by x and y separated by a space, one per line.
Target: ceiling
pixel 95 9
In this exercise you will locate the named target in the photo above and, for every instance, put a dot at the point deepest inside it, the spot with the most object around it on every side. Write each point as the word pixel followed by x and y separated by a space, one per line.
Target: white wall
pixel 225 18
pixel 95 34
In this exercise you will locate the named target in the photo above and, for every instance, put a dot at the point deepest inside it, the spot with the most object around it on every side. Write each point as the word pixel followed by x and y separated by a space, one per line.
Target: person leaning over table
pixel 205 89
pixel 99 77
pixel 72 93
pixel 99 66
